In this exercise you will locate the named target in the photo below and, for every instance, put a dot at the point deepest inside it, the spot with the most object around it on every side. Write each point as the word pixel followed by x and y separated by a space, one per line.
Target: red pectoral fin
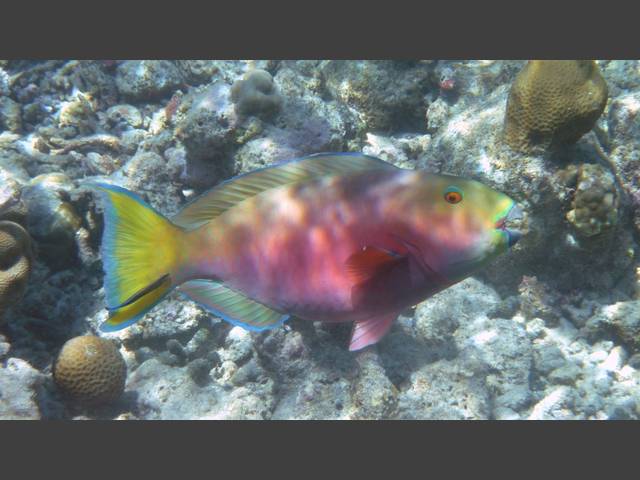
pixel 370 262
pixel 368 332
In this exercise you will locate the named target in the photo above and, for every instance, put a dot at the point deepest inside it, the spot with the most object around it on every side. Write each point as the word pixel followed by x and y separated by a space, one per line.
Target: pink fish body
pixel 333 237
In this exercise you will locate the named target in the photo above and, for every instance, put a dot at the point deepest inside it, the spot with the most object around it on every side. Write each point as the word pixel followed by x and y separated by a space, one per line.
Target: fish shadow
pixel 402 353
pixel 328 345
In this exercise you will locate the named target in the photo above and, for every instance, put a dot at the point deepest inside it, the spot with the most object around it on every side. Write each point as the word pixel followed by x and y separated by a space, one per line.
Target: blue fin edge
pixel 236 322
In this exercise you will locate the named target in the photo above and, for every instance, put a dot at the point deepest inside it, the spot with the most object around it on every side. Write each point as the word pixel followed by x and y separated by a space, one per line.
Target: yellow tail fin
pixel 140 255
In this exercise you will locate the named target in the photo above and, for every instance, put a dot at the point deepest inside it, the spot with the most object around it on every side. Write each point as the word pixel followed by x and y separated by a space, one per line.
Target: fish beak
pixel 513 216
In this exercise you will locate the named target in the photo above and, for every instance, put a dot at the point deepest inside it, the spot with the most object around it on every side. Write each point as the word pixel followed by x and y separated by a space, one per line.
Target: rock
pixel 622 317
pixel 556 405
pixel 250 372
pixel 171 393
pixel 402 151
pixel 444 390
pixel 78 113
pixel 170 319
pixel 52 219
pixel 615 360
pixel 239 347
pixel 19 385
pixel 4 347
pixel 439 317
pixel 11 208
pixel 537 301
pixel 374 396
pixel 503 348
pixel 623 118
pixel 123 117
pixel 547 357
pixel 199 370
pixel 200 344
pixel 162 390
pixel 141 80
pixel 565 375
pixel 311 122
pixel 437 115
pixel 207 130
pixel 10 115
pixel 149 174
pixel 620 75
pixel 131 139
pixel 389 94
pixel 505 414
pixel 199 71
pixel 5 87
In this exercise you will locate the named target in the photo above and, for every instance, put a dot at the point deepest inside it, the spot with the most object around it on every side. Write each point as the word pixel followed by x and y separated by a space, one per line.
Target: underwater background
pixel 550 330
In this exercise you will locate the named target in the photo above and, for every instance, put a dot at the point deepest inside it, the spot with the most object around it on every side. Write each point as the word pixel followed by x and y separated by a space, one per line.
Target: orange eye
pixel 453 195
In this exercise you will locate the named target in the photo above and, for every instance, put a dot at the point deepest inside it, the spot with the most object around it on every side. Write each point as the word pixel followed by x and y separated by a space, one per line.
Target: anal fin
pixel 370 331
pixel 232 306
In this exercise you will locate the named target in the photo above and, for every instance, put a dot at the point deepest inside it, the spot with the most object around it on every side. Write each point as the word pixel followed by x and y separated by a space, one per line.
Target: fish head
pixel 467 224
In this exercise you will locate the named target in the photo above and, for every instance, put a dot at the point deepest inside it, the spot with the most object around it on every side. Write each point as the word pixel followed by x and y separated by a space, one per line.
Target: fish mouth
pixel 514 215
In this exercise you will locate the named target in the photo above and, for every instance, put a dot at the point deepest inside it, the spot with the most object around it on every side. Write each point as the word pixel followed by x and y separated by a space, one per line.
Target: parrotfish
pixel 340 237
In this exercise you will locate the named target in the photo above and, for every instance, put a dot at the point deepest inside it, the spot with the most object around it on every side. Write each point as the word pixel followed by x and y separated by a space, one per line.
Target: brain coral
pixel 90 370
pixel 553 102
pixel 15 262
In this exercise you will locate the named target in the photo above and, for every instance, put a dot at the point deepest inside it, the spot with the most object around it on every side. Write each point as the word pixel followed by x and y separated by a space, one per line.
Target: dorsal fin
pixel 227 194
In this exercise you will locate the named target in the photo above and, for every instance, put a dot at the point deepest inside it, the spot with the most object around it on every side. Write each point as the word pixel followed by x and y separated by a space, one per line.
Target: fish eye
pixel 453 195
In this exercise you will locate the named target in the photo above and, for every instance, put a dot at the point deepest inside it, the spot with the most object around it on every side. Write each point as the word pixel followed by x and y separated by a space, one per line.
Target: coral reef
pixel 90 370
pixel 549 331
pixel 553 103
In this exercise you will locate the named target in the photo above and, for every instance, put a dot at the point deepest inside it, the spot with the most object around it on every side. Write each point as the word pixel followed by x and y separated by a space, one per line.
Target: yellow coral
pixel 553 102
pixel 90 370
